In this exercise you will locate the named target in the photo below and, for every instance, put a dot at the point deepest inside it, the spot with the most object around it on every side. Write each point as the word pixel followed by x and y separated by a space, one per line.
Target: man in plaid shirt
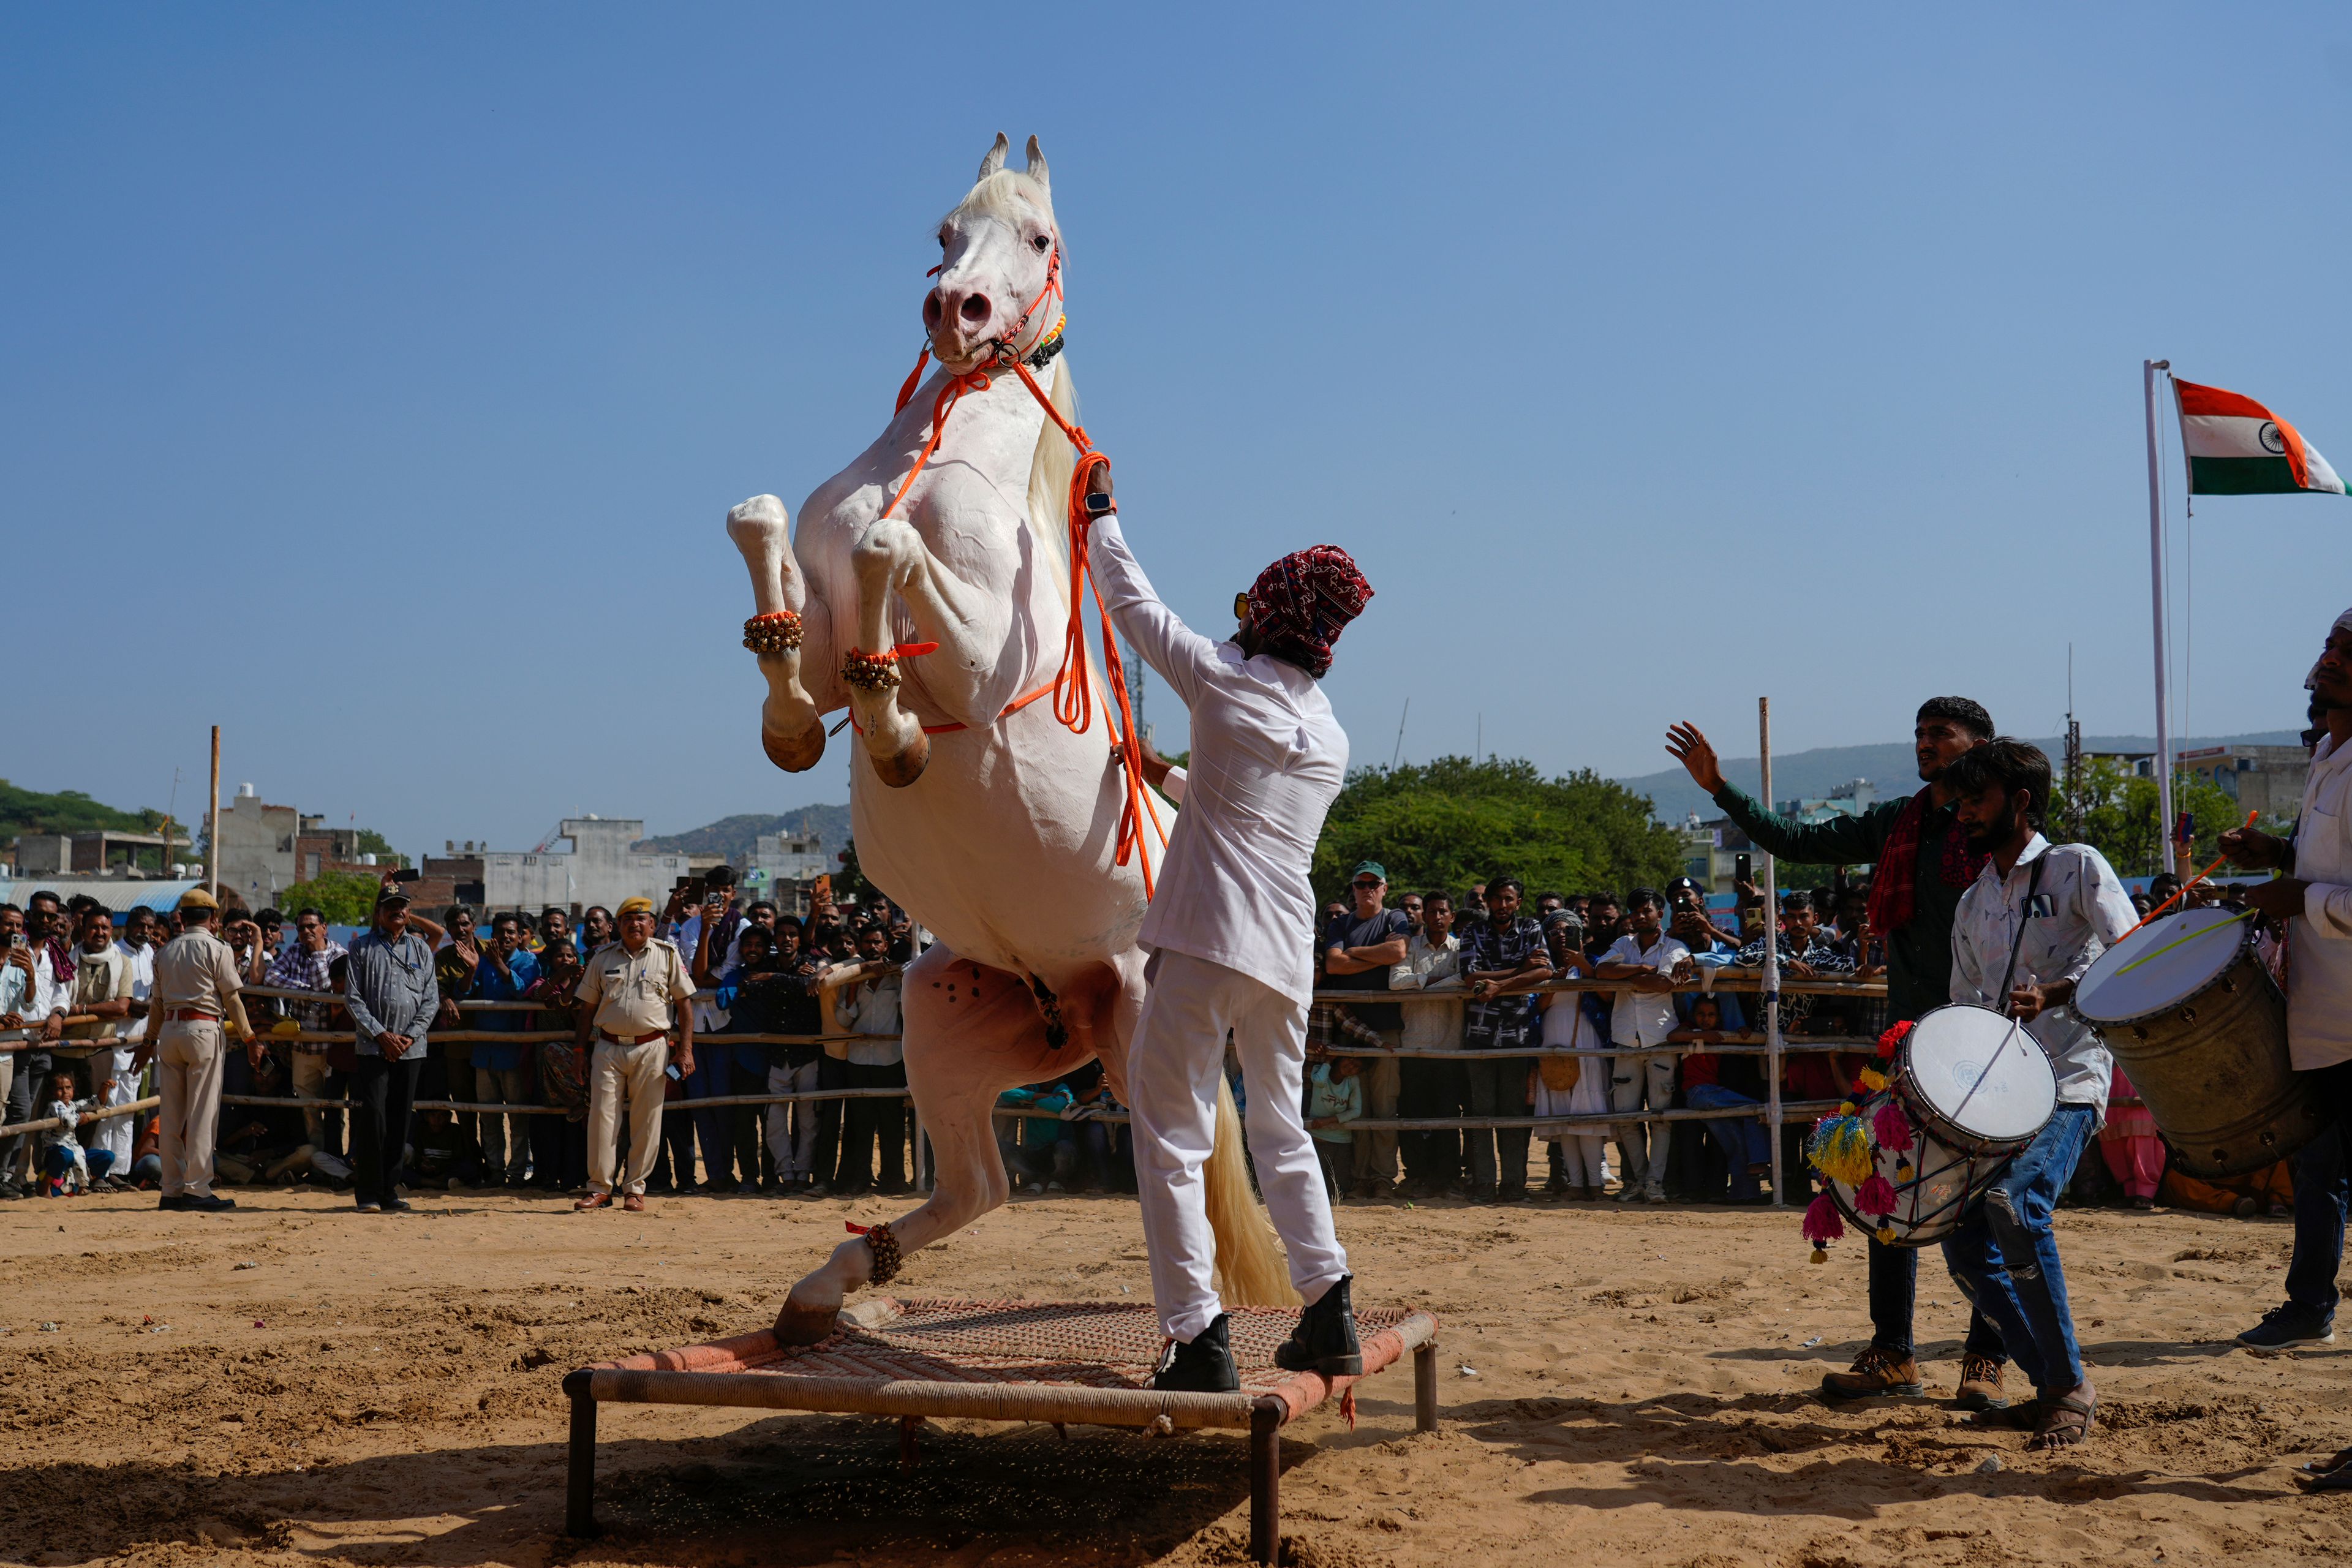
pixel 303 966
pixel 1502 956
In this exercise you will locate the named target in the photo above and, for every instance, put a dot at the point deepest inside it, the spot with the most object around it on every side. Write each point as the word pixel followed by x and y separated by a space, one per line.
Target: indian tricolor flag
pixel 2238 447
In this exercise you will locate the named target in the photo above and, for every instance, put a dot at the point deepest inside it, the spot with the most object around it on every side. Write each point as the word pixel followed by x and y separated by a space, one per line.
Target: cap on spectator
pixel 390 894
pixel 1374 866
pixel 197 899
pixel 1679 883
pixel 1563 917
pixel 633 906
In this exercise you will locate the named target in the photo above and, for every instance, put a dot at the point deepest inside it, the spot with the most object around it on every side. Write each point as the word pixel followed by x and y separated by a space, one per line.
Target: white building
pixel 599 867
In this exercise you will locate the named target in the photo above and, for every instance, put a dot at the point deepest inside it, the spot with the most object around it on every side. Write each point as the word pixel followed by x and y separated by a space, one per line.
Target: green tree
pixel 2119 811
pixel 849 880
pixel 1454 822
pixel 345 898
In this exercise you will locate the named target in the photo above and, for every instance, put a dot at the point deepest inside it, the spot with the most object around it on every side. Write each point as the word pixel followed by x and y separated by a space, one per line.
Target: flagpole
pixel 2148 369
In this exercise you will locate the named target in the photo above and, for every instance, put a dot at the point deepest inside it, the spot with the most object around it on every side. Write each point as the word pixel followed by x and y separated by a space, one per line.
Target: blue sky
pixel 1648 362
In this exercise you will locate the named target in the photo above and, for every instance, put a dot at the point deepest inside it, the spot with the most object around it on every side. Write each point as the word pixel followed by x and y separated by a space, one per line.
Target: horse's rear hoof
pixel 795 754
pixel 799 1325
pixel 905 767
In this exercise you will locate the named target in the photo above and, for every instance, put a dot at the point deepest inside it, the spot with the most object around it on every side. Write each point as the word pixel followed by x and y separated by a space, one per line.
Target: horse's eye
pixel 1042 243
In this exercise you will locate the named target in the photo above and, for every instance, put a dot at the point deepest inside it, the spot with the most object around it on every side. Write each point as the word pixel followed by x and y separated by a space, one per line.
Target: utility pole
pixel 2074 757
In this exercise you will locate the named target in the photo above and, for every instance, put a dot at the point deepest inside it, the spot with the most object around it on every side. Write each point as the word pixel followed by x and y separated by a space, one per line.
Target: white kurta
pixel 1268 758
pixel 1232 934
pixel 2319 940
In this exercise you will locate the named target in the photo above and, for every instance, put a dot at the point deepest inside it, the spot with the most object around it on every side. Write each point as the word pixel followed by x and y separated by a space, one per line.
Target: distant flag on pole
pixel 2238 447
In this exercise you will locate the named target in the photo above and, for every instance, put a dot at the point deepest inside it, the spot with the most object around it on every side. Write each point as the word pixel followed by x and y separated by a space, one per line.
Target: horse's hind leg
pixel 790 729
pixel 970 1034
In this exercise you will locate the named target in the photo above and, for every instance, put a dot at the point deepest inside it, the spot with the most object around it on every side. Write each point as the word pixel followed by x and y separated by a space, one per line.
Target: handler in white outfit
pixel 1230 933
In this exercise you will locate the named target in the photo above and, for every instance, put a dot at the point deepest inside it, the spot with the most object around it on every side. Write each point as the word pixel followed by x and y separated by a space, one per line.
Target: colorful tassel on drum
pixel 1886 1236
pixel 1823 1225
pixel 1889 1041
pixel 1891 1128
pixel 1876 1195
pixel 1841 1151
pixel 1871 1080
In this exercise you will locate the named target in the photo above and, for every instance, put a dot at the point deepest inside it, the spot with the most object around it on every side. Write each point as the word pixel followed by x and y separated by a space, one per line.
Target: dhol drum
pixel 1977 1089
pixel 2191 1013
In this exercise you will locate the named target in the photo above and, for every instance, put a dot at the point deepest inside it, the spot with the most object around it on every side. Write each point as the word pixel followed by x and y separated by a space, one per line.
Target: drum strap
pixel 2032 890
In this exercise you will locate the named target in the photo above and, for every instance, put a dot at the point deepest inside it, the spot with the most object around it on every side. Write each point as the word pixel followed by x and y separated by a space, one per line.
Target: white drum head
pixel 1982 1073
pixel 2109 996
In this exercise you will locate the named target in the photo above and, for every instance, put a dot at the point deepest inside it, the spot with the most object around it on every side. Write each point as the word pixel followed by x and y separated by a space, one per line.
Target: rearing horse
pixel 932 607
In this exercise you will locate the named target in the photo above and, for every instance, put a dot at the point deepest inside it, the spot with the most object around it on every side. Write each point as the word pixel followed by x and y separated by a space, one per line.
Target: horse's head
pixel 1001 257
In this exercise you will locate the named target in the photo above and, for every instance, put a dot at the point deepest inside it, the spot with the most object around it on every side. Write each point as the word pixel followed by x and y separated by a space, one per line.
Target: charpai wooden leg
pixel 579 1481
pixel 1424 1386
pixel 1266 1479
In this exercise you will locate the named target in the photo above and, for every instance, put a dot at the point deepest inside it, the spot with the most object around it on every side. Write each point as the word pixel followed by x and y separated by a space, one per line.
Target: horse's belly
pixel 1008 860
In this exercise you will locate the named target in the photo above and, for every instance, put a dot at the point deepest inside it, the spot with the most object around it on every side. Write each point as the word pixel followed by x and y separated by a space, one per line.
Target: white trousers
pixel 1630 1078
pixel 1172 1070
pixel 188 1076
pixel 115 1134
pixel 625 1081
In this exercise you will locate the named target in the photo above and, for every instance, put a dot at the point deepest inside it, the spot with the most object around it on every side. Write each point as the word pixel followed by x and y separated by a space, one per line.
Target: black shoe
pixel 1204 1366
pixel 1325 1340
pixel 2288 1324
pixel 396 1205
pixel 208 1203
pixel 171 1202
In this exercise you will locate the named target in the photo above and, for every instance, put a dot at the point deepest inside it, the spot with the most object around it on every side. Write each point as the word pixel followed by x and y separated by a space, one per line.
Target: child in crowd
pixel 68 1167
pixel 1712 1082
pixel 1334 1099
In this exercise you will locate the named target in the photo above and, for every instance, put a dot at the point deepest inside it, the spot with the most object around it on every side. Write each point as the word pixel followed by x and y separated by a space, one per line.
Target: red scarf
pixel 1895 880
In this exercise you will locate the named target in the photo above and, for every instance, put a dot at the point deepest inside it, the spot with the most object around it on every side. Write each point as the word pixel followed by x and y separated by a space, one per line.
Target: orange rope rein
pixel 1072 685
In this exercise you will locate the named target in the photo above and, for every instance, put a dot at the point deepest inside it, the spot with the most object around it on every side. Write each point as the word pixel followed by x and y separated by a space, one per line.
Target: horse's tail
pixel 1250 1264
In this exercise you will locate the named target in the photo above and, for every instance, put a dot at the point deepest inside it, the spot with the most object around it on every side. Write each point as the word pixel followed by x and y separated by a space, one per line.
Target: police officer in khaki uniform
pixel 633 988
pixel 195 993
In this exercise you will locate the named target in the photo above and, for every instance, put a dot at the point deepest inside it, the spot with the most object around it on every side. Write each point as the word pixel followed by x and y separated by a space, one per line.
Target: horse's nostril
pixel 931 309
pixel 976 309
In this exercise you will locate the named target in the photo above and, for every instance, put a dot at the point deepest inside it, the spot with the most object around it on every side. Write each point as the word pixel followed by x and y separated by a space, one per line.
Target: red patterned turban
pixel 1303 602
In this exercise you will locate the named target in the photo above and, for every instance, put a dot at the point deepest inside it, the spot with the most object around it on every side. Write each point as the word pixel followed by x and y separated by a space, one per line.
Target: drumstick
pixel 2192 936
pixel 2182 891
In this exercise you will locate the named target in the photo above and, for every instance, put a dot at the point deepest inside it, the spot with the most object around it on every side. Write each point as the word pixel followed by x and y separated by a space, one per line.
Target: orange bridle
pixel 1072 685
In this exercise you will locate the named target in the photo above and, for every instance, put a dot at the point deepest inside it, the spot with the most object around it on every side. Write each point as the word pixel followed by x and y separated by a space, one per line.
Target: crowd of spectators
pixel 1448 974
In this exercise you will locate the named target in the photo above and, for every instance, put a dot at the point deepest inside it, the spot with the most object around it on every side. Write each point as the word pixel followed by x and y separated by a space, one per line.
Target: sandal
pixel 2017 1416
pixel 2066 1420
pixel 2338 1479
pixel 2336 1462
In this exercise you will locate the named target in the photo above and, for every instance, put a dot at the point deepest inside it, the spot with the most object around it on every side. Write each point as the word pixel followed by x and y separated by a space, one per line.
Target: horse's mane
pixel 1049 482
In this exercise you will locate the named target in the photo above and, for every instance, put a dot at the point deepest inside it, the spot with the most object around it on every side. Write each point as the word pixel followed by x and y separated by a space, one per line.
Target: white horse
pixel 987 817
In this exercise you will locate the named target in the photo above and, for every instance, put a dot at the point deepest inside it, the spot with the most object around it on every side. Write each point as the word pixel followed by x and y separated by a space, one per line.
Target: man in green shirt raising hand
pixel 1921 865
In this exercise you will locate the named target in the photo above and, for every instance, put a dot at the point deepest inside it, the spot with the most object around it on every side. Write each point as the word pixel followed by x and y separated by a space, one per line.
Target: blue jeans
pixel 1745 1138
pixel 2005 1259
pixel 714 1074
pixel 2320 1192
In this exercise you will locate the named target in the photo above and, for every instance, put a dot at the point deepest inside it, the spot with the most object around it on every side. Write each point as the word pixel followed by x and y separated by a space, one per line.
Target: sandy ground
pixel 297 1383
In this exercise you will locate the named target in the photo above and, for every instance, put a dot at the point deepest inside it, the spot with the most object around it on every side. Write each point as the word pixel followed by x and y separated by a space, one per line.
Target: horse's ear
pixel 1038 170
pixel 995 158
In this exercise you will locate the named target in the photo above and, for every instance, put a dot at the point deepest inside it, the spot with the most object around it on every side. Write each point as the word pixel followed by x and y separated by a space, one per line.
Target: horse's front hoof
pixel 802 1325
pixel 795 754
pixel 903 767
